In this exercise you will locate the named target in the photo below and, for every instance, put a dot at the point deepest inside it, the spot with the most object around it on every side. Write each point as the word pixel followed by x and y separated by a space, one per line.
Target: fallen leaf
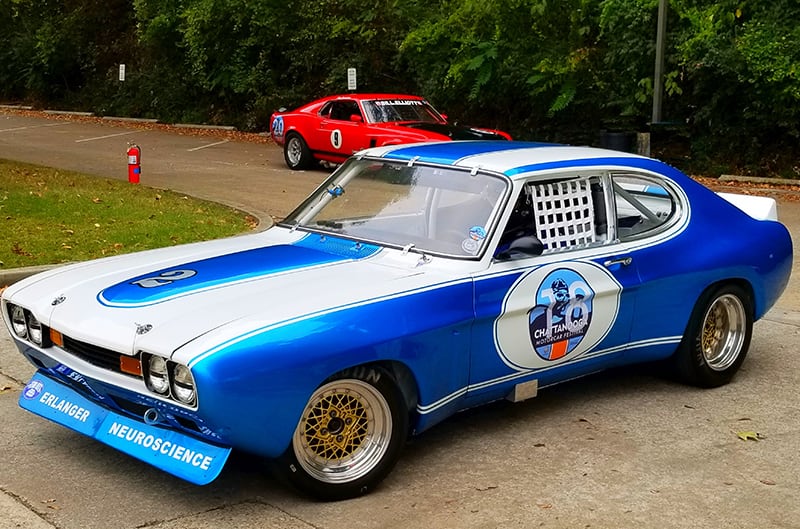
pixel 96 225
pixel 744 419
pixel 545 505
pixel 539 445
pixel 3 389
pixel 767 481
pixel 690 407
pixel 484 489
pixel 750 436
pixel 97 200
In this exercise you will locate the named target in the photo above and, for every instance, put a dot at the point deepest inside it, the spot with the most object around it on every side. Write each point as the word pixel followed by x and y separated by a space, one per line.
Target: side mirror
pixel 528 246
pixel 356 118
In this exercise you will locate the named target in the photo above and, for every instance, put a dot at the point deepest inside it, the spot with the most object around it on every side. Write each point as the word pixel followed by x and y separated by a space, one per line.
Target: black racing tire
pixel 717 337
pixel 349 436
pixel 296 152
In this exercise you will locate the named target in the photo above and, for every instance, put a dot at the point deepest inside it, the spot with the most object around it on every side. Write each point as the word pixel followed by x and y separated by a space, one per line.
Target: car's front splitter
pixel 181 455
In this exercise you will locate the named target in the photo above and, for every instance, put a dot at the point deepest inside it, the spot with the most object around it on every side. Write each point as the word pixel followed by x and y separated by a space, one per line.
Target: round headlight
pixel 18 321
pixel 183 384
pixel 157 378
pixel 34 329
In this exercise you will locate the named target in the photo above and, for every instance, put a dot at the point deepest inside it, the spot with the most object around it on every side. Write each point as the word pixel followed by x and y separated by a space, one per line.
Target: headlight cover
pixel 18 322
pixel 156 376
pixel 34 330
pixel 183 384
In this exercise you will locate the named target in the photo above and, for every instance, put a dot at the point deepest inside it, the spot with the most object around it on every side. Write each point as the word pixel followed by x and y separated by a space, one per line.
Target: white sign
pixel 121 72
pixel 351 79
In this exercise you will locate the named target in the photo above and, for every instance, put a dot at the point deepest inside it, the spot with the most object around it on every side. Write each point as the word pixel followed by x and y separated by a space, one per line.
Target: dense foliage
pixel 542 69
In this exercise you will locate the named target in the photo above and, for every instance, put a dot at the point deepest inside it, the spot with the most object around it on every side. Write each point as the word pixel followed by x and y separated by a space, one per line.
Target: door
pixel 563 309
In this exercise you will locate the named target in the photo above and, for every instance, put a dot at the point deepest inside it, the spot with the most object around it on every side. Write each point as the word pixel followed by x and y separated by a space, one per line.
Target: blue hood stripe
pixel 184 279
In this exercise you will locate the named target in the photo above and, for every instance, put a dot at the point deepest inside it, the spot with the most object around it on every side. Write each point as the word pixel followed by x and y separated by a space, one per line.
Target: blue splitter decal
pixel 187 278
pixel 180 455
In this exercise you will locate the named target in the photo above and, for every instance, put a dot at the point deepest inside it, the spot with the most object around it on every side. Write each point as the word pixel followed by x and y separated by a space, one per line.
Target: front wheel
pixel 349 436
pixel 296 152
pixel 717 337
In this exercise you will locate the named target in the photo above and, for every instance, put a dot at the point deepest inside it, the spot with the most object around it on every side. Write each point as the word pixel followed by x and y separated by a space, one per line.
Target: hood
pixel 161 300
pixel 457 132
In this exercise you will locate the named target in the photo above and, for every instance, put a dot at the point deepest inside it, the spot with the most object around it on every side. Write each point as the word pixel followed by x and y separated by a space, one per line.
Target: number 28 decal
pixel 555 314
pixel 164 278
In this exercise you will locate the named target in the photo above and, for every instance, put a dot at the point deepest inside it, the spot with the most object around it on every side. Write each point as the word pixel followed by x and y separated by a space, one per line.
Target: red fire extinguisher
pixel 134 163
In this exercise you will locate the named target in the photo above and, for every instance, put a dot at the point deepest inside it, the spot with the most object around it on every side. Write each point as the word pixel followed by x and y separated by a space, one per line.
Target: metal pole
pixel 658 83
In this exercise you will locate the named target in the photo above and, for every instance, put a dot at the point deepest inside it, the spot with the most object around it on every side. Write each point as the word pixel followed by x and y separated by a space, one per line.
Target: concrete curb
pixel 758 180
pixel 134 120
pixel 12 275
pixel 68 113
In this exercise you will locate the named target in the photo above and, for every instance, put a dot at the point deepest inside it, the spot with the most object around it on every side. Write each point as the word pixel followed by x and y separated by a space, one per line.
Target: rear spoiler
pixel 760 208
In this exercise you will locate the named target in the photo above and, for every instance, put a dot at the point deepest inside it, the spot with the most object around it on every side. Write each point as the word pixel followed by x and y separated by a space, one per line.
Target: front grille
pixel 98 356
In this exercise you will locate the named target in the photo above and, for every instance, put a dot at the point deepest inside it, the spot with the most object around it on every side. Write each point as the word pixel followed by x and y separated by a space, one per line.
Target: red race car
pixel 331 129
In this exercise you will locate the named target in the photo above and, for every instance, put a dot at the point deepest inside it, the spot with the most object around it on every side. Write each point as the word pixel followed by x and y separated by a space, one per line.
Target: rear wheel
pixel 349 436
pixel 717 337
pixel 296 152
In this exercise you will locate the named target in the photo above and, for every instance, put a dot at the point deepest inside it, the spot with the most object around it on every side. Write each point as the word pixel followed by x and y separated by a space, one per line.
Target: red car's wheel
pixel 296 152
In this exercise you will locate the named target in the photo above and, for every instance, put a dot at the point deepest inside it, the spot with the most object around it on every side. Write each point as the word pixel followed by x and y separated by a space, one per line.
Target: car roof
pixel 373 96
pixel 511 158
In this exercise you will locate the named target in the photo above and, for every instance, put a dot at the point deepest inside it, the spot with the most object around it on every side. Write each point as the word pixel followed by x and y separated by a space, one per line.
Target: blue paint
pixel 449 153
pixel 160 285
pixel 183 456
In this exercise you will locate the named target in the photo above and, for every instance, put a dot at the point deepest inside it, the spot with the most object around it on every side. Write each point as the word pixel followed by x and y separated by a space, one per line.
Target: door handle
pixel 623 261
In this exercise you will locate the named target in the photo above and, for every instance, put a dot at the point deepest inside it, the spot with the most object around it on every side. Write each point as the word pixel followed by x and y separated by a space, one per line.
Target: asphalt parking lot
pixel 623 449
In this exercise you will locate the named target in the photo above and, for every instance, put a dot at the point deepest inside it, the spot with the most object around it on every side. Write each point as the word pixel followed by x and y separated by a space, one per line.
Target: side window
pixel 326 110
pixel 342 110
pixel 642 205
pixel 564 214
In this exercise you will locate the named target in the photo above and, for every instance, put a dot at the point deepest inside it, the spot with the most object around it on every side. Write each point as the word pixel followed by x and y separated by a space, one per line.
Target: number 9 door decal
pixel 336 139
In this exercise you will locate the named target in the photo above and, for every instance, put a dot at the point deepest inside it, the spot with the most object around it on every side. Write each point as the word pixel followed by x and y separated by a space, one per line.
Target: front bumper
pixel 181 455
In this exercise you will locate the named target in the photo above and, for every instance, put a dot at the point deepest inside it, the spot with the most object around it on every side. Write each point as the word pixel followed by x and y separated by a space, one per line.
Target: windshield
pixel 429 209
pixel 388 110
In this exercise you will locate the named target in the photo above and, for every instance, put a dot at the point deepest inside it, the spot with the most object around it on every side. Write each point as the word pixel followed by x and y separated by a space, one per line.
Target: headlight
pixel 157 378
pixel 183 384
pixel 18 321
pixel 34 330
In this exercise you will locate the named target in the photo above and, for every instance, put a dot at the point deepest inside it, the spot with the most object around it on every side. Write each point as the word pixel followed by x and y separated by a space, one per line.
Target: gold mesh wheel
pixel 723 332
pixel 344 432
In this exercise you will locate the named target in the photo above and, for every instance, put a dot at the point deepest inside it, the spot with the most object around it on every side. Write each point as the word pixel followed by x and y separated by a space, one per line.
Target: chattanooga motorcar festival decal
pixel 555 314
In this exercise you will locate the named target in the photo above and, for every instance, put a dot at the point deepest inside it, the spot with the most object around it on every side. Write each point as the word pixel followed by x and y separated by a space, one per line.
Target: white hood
pixel 175 295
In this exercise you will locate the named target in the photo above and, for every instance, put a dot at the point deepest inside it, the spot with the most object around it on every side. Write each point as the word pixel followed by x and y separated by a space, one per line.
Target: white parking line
pixel 35 127
pixel 209 145
pixel 109 136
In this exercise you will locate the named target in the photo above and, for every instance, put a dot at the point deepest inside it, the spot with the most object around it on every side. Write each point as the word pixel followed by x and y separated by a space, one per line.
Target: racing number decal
pixel 165 278
pixel 555 314
pixel 562 314
pixel 336 138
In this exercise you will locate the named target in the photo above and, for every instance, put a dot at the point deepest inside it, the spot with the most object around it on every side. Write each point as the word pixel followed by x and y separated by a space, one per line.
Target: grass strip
pixel 53 216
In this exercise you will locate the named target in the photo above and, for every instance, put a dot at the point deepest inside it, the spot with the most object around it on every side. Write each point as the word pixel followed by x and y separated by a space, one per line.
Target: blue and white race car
pixel 417 281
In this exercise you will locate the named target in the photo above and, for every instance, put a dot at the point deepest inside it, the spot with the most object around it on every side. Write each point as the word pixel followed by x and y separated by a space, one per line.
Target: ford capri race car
pixel 333 128
pixel 415 282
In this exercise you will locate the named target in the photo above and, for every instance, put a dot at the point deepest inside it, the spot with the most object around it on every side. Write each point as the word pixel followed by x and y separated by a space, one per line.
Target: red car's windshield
pixel 389 110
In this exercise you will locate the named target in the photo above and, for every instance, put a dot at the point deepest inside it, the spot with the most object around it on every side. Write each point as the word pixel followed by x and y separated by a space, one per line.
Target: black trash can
pixel 618 141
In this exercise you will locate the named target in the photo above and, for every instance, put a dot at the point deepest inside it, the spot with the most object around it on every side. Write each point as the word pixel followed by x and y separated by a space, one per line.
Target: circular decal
pixel 33 389
pixel 555 314
pixel 477 233
pixel 336 138
pixel 470 246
